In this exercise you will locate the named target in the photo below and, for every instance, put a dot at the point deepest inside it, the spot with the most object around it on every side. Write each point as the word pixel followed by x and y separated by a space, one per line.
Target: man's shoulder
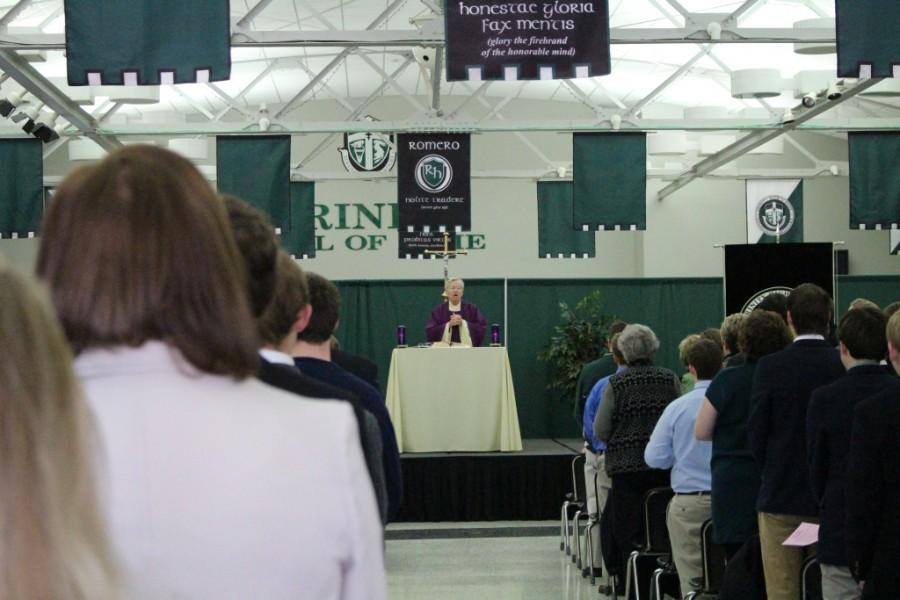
pixel 291 379
pixel 884 402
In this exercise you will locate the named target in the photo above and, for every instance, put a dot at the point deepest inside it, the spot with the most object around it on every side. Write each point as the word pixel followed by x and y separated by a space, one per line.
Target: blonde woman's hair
pixel 53 542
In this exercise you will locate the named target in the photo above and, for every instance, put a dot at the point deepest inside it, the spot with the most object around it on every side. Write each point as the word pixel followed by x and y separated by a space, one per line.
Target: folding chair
pixel 811 579
pixel 571 505
pixel 714 561
pixel 656 544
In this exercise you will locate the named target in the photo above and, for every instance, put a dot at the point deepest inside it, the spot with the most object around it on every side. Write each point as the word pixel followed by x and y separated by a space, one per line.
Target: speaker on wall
pixel 841 262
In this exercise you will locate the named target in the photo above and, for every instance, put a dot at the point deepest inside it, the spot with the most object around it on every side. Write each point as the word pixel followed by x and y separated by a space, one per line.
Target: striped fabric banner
pixel 874 179
pixel 21 187
pixel 610 181
pixel 868 38
pixel 557 237
pixel 147 42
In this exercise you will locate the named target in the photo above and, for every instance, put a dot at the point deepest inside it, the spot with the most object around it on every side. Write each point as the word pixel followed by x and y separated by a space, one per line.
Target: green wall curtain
pixel 867 34
pixel 673 308
pixel 21 187
pixel 153 41
pixel 556 233
pixel 610 180
pixel 257 169
pixel 300 237
pixel 874 179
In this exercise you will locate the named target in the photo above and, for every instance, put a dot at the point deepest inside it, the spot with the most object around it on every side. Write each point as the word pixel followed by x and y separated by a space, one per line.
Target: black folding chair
pixel 811 579
pixel 641 563
pixel 571 505
pixel 714 559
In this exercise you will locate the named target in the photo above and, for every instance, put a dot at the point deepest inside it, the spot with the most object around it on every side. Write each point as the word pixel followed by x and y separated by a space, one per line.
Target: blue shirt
pixel 673 445
pixel 591 405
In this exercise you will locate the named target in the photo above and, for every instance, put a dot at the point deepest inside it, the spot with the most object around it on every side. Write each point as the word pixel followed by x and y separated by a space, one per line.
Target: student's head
pixel 685 345
pixel 289 305
pixel 809 309
pixel 893 338
pixel 615 328
pixel 638 343
pixel 730 329
pixel 763 332
pixel 861 302
pixel 713 334
pixel 776 303
pixel 618 357
pixel 139 248
pixel 258 246
pixel 891 308
pixel 705 358
pixel 862 333
pixel 325 300
pixel 53 543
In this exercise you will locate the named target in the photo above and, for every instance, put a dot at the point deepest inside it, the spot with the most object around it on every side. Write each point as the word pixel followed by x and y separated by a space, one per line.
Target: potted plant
pixel 578 339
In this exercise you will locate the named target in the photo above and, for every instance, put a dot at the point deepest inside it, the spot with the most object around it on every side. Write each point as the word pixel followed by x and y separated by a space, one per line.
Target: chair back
pixel 811 579
pixel 578 490
pixel 714 559
pixel 656 503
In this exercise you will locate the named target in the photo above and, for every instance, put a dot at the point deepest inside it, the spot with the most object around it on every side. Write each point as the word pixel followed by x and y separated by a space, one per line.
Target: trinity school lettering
pixel 369 222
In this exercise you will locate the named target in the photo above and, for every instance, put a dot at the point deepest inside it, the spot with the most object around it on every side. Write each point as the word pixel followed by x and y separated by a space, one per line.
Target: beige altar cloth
pixel 453 400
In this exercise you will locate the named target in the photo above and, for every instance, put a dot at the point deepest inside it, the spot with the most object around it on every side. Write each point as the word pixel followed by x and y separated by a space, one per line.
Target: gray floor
pixel 463 564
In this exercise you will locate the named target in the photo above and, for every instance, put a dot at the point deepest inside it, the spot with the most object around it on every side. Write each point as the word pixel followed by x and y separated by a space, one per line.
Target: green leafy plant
pixel 578 339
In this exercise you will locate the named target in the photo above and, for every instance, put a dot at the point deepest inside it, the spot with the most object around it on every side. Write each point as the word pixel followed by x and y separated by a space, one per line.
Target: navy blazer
pixel 873 495
pixel 828 425
pixel 782 385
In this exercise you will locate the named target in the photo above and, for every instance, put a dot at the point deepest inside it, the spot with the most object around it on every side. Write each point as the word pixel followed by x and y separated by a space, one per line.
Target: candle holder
pixel 495 334
pixel 401 336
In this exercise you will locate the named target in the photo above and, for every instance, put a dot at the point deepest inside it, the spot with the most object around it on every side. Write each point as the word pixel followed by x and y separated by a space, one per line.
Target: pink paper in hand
pixel 806 534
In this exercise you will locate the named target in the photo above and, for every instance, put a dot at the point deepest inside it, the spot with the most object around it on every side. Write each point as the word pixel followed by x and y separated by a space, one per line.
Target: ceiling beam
pixel 13 13
pixel 29 78
pixel 758 138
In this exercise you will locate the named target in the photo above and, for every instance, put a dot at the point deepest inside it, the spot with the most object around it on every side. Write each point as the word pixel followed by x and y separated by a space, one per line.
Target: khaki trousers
pixel 684 520
pixel 838 584
pixel 595 465
pixel 782 564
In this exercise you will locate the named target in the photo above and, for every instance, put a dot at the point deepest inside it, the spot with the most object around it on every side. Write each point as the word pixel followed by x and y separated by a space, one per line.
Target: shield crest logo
pixel 368 152
pixel 433 173
pixel 775 215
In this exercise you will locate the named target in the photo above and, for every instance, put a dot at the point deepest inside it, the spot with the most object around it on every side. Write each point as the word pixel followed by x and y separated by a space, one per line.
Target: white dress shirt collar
pixel 274 356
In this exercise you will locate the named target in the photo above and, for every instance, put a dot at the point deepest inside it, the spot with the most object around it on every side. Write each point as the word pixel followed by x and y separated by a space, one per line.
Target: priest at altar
pixel 456 320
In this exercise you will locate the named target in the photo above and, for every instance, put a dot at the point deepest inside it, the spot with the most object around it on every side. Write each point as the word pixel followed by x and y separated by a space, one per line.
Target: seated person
pixel 456 321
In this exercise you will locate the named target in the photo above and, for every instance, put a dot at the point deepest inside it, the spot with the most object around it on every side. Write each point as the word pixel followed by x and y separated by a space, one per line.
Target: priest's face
pixel 455 292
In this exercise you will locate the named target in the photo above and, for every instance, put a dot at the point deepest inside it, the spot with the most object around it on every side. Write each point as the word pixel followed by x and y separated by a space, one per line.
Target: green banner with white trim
pixel 21 187
pixel 557 237
pixel 610 181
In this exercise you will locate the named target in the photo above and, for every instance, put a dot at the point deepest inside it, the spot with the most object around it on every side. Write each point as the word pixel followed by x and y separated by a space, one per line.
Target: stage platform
pixel 488 486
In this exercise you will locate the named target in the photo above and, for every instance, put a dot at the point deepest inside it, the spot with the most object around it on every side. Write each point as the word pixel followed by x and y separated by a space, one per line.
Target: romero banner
pixel 433 182
pixel 549 39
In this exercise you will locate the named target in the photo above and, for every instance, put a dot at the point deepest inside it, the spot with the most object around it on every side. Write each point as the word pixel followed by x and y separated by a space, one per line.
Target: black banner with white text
pixel 433 182
pixel 547 39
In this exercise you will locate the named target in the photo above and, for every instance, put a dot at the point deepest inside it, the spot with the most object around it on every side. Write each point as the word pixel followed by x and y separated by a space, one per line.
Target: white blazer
pixel 215 488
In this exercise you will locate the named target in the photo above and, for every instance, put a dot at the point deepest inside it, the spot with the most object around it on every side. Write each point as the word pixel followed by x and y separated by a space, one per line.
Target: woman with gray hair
pixel 629 409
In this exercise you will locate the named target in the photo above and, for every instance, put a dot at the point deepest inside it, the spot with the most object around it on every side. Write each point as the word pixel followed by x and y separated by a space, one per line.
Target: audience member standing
pixel 594 449
pixel 782 385
pixel 673 446
pixel 731 329
pixel 279 299
pixel 630 406
pixel 596 370
pixel 217 486
pixel 54 543
pixel 723 419
pixel 312 354
pixel 829 421
pixel 873 487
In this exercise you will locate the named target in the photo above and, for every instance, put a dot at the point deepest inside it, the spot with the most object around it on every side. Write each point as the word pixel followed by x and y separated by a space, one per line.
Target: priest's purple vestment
pixel 468 311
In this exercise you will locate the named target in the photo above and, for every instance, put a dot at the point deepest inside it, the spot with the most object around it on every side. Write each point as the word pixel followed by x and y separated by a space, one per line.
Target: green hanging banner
pixel 557 237
pixel 610 181
pixel 147 42
pixel 21 187
pixel 300 239
pixel 257 169
pixel 868 43
pixel 874 179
